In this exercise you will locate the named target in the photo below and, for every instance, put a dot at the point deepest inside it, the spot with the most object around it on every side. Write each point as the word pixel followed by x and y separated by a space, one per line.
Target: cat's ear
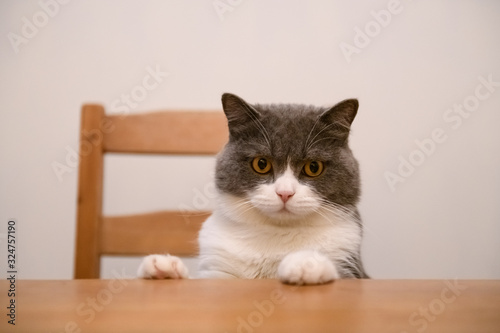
pixel 239 113
pixel 340 117
pixel 343 112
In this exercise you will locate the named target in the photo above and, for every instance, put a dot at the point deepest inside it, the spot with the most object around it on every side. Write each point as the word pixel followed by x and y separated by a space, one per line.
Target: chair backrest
pixel 167 132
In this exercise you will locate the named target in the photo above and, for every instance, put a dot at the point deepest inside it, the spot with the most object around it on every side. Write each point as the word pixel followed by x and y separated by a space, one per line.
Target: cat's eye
pixel 313 168
pixel 261 165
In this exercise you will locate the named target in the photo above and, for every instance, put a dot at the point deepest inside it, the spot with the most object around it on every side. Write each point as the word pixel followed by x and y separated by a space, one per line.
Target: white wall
pixel 443 221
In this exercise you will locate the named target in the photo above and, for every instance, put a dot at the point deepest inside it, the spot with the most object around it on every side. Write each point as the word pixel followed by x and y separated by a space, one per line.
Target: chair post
pixel 89 208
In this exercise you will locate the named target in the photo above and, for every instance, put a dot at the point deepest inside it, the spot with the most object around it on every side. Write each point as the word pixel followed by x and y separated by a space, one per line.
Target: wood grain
pixel 186 132
pixel 89 206
pixel 255 306
pixel 170 232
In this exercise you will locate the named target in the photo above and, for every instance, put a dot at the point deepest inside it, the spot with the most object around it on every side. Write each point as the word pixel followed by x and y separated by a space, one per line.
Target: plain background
pixel 442 221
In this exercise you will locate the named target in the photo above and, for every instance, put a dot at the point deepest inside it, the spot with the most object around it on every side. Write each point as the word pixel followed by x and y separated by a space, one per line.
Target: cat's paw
pixel 158 266
pixel 307 267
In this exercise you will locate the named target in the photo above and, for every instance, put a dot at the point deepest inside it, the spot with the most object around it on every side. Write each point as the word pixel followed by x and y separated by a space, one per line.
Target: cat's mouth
pixel 268 209
pixel 283 211
pixel 273 206
pixel 287 209
pixel 286 214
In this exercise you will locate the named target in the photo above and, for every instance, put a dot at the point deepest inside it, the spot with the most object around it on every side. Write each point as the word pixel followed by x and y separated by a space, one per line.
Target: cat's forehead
pixel 289 128
pixel 288 122
pixel 288 113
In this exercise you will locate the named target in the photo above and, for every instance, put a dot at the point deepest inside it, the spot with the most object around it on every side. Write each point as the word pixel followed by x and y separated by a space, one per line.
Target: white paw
pixel 306 267
pixel 158 266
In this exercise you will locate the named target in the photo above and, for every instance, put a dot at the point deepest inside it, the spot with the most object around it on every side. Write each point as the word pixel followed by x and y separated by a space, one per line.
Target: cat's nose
pixel 285 195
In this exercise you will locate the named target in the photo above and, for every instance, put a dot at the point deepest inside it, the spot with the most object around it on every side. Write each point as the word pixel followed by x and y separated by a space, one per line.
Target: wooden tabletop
pixel 221 306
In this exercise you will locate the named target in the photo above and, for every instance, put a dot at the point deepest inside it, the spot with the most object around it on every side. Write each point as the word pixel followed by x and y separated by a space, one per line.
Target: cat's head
pixel 286 162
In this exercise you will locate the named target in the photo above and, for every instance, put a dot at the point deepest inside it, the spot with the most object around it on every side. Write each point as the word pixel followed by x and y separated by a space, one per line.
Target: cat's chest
pixel 278 241
pixel 271 240
pixel 261 251
pixel 255 251
pixel 267 241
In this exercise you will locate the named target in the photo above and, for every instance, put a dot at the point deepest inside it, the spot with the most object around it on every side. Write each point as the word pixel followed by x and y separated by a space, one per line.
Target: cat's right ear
pixel 239 113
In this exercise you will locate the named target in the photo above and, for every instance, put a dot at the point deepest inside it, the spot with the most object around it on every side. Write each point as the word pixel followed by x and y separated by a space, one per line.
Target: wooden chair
pixel 168 132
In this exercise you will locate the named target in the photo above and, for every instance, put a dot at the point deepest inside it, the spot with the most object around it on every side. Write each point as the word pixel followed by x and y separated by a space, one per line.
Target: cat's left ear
pixel 339 118
pixel 342 113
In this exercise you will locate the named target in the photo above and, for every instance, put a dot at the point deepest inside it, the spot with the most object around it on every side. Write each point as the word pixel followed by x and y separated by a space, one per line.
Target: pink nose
pixel 285 195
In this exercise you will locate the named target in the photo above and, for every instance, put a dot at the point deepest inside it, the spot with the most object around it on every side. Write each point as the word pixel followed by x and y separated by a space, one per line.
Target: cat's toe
pixel 307 267
pixel 157 266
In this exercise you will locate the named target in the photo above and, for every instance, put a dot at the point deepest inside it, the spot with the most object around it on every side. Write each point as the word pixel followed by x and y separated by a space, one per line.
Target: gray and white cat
pixel 288 186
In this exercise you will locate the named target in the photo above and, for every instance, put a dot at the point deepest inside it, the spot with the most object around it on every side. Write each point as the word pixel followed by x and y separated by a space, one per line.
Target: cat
pixel 288 185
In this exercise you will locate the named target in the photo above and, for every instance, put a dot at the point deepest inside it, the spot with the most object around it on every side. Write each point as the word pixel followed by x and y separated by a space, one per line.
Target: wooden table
pixel 121 305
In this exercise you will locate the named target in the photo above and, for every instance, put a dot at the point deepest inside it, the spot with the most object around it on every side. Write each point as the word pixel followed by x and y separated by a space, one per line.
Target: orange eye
pixel 313 168
pixel 261 165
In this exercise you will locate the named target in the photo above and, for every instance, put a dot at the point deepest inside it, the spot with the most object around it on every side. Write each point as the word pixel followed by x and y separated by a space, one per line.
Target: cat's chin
pixel 285 213
pixel 283 216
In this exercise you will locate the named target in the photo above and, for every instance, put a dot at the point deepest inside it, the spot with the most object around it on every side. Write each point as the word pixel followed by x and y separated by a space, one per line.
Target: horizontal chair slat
pixel 197 133
pixel 172 232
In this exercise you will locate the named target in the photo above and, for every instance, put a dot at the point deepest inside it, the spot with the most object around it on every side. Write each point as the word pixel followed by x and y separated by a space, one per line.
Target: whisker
pixel 310 133
pixel 241 202
pixel 241 213
pixel 343 212
pixel 260 126
pixel 321 131
pixel 315 142
pixel 339 210
pixel 240 207
pixel 323 215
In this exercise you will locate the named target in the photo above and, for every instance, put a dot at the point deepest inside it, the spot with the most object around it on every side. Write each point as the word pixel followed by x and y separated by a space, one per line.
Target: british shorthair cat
pixel 288 185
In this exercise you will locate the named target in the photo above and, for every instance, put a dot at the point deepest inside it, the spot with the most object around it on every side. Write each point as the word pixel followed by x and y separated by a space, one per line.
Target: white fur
pixel 307 267
pixel 267 200
pixel 298 241
pixel 252 246
pixel 158 266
